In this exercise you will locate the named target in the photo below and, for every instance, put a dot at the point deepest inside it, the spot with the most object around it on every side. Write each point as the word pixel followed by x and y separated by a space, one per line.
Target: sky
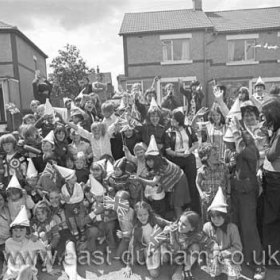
pixel 93 25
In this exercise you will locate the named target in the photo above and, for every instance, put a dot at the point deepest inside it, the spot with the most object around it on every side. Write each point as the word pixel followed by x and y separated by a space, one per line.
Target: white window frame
pixel 172 80
pixel 172 37
pixel 242 37
pixel 130 83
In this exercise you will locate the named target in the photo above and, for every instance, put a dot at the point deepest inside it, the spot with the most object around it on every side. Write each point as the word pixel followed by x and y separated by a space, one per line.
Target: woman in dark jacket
pixel 181 141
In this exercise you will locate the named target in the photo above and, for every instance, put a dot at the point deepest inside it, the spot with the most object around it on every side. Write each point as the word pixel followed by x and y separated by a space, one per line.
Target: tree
pixel 68 68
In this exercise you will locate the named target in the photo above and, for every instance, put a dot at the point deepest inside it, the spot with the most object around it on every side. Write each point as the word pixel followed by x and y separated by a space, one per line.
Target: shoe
pixel 259 274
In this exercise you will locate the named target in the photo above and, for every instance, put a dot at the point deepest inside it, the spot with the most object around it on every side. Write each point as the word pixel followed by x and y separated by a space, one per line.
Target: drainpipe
pixel 204 66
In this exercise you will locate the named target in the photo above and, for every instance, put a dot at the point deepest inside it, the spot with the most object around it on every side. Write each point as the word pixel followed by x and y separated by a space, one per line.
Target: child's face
pixel 54 199
pixel 89 106
pixel 216 117
pixel 47 147
pixel 143 216
pixel 15 194
pixel 60 136
pixel 79 163
pixel 128 133
pixel 150 163
pixel 214 156
pixel 51 119
pixel 30 121
pixel 96 172
pixel 32 181
pixel 217 219
pixel 34 138
pixel 154 118
pixel 41 111
pixel 107 114
pixel 75 137
pixel 41 215
pixel 88 195
pixel 118 172
pixel 250 118
pixel 96 132
pixel 184 225
pixel 19 233
pixel 139 153
pixel 33 107
pixel 8 148
pixel 69 163
pixel 76 119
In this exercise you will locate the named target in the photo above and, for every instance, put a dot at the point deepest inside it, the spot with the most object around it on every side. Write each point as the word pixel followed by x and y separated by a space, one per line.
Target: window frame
pixel 245 37
pixel 130 83
pixel 278 37
pixel 172 37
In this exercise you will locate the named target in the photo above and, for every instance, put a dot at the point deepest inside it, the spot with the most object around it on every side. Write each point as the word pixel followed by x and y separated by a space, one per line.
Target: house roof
pixel 250 19
pixel 4 27
pixel 164 21
pixel 222 21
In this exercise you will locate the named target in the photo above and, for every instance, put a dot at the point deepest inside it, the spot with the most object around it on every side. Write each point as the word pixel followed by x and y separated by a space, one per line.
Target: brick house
pixel 230 47
pixel 19 58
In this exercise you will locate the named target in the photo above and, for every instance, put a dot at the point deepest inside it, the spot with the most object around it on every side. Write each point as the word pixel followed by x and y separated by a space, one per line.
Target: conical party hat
pixel 153 103
pixel 14 183
pixel 228 137
pixel 66 99
pixel 21 219
pixel 152 148
pixel 95 187
pixel 122 105
pixel 49 137
pixel 259 82
pixel 219 202
pixel 235 110
pixel 31 170
pixel 109 167
pixel 49 110
pixel 66 173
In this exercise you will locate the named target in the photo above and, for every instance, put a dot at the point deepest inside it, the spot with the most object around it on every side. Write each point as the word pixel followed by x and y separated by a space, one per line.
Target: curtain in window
pixel 185 50
pixel 231 50
pixel 165 45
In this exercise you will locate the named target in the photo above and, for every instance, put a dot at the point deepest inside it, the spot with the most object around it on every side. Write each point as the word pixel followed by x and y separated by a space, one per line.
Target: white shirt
pixel 76 197
pixel 147 232
pixel 182 141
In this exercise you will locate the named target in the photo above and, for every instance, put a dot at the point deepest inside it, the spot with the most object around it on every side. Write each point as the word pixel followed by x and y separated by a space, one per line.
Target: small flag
pixel 49 171
pixel 11 107
pixel 158 237
pixel 118 205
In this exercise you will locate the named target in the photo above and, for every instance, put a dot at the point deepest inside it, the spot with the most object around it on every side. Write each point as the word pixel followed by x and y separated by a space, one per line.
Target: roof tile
pixel 164 21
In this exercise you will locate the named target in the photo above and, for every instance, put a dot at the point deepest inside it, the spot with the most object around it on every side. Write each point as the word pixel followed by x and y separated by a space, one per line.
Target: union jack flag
pixel 12 108
pixel 158 237
pixel 120 206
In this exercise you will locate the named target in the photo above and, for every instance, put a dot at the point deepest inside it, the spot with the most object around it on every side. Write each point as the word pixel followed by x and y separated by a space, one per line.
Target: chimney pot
pixel 197 5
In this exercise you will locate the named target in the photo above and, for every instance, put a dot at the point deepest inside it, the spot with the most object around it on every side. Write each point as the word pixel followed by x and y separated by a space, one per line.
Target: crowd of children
pixel 101 174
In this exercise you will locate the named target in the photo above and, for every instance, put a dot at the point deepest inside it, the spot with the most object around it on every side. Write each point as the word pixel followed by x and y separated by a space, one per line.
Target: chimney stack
pixel 197 5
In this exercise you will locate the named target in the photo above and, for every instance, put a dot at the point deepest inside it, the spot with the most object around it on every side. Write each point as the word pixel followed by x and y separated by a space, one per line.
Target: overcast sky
pixel 93 25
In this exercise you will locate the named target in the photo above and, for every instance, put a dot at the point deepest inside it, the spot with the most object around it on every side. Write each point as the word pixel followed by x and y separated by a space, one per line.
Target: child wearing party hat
pixel 17 197
pixel 73 196
pixel 20 250
pixel 227 253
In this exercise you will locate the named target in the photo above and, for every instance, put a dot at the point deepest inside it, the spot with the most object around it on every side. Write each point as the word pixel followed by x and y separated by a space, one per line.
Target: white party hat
pixel 235 110
pixel 66 173
pixel 49 137
pixel 14 183
pixel 122 105
pixel 153 103
pixel 152 148
pixel 21 219
pixel 219 202
pixel 95 187
pixel 259 82
pixel 49 110
pixel 31 170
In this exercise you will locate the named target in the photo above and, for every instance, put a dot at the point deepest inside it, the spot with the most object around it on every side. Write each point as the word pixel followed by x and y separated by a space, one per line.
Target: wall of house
pixel 6 64
pixel 144 56
pixel 27 67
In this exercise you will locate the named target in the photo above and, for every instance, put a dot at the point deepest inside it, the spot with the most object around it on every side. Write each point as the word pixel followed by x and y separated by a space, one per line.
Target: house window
pixel 241 48
pixel 175 48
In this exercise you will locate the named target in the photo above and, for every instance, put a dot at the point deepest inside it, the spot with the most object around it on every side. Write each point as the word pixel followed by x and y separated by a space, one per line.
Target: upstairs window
pixel 176 48
pixel 241 48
